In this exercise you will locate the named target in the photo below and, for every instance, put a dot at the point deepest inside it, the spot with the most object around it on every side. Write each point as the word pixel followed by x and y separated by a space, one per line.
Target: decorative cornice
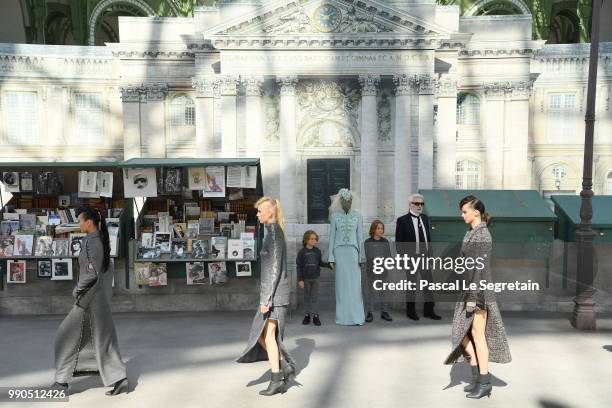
pixel 426 84
pixel 144 92
pixel 130 93
pixel 205 86
pixel 253 85
pixel 512 89
pixel 155 91
pixel 229 85
pixel 446 87
pixel 326 42
pixel 404 84
pixel 287 84
pixel 154 54
pixel 369 84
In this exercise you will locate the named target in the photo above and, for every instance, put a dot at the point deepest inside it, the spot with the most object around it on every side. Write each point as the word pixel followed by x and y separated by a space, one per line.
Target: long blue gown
pixel 345 249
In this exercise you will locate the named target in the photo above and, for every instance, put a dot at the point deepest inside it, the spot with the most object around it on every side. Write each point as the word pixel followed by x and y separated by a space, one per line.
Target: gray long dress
pixel 86 339
pixel 477 243
pixel 274 292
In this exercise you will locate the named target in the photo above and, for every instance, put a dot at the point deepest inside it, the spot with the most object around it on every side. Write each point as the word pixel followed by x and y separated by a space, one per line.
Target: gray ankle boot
pixel 288 370
pixel 474 383
pixel 484 387
pixel 277 384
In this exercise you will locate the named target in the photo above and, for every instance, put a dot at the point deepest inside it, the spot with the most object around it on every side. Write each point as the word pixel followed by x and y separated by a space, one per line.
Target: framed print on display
pixel 61 269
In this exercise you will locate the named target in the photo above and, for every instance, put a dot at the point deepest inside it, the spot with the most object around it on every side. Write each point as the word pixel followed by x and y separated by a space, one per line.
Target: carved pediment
pixel 295 20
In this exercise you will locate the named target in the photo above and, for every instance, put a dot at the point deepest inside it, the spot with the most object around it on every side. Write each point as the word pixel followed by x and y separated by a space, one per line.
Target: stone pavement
pixel 186 360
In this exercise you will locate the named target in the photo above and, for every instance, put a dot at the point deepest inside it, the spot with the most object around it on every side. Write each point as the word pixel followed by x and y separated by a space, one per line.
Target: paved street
pixel 186 360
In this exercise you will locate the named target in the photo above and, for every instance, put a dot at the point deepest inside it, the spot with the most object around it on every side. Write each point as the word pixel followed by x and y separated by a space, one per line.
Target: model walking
pixel 478 330
pixel 268 327
pixel 345 256
pixel 90 321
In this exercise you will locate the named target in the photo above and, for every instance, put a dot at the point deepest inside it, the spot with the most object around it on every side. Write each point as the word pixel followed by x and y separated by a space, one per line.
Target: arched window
pixel 468 109
pixel 182 111
pixel 609 183
pixel 497 7
pixel 467 175
pixel 564 28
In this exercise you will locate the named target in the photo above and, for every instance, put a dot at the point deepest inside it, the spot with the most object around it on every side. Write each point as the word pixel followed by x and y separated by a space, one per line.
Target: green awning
pixel 569 206
pixel 517 205
pixel 143 162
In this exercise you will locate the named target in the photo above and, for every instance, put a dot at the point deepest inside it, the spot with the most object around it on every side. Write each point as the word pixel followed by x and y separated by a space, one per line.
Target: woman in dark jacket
pixel 90 322
pixel 478 330
pixel 267 331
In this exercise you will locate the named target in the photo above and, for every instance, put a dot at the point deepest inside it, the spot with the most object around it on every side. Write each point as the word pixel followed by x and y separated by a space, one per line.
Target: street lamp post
pixel 584 304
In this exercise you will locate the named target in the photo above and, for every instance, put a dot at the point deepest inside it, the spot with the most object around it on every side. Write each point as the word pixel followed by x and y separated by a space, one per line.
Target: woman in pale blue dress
pixel 345 256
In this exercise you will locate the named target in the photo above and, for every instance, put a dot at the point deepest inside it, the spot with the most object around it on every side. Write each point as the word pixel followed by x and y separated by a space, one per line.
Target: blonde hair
pixel 278 213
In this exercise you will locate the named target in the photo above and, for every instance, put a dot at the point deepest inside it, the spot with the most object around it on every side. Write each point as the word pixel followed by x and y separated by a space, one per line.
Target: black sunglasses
pixel 418 203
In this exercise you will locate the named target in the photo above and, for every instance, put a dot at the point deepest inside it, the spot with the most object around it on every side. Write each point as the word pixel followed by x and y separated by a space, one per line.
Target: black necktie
pixel 419 228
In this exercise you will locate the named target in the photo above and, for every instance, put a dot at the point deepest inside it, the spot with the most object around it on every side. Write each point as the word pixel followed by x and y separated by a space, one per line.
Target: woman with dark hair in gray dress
pixel 268 327
pixel 478 330
pixel 90 321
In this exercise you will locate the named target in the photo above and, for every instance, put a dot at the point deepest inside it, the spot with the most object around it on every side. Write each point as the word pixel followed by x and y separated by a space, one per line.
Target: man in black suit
pixel 413 237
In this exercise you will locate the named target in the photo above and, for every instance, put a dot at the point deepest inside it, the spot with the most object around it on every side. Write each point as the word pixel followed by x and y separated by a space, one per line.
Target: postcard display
pixel 199 225
pixel 39 232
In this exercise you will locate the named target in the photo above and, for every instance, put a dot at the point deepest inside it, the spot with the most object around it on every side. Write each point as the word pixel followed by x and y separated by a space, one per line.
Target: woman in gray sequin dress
pixel 478 331
pixel 268 327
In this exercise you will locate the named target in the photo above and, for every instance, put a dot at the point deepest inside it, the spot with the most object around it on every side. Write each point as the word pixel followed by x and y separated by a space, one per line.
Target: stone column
pixel 369 147
pixel 446 143
pixel 229 91
pixel 426 102
pixel 153 120
pixel 130 97
pixel 288 147
pixel 493 135
pixel 517 173
pixel 254 117
pixel 402 159
pixel 204 115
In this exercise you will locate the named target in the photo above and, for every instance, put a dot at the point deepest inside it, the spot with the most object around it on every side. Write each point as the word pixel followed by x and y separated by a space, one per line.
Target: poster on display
pixel 11 181
pixel 105 184
pixel 140 183
pixel 197 178
pixel 61 269
pixel 215 182
pixel 242 176
pixel 15 271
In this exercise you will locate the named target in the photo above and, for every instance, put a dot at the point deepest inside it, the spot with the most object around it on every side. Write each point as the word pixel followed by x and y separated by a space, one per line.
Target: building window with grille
pixel 88 118
pixel 467 175
pixel 468 109
pixel 182 111
pixel 21 118
pixel 561 118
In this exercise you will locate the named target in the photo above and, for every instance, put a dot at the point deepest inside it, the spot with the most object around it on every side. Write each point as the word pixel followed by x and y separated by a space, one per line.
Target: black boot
pixel 120 386
pixel 474 382
pixel 369 317
pixel 288 371
pixel 277 384
pixel 60 387
pixel 429 311
pixel 306 319
pixel 483 388
pixel 411 311
pixel 316 320
pixel 385 316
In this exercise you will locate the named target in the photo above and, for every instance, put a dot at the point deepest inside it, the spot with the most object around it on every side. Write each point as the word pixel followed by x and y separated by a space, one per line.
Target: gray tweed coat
pixel 274 292
pixel 86 339
pixel 477 243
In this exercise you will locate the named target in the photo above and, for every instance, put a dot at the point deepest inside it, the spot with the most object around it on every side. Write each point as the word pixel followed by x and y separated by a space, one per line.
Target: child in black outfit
pixel 309 265
pixel 376 246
